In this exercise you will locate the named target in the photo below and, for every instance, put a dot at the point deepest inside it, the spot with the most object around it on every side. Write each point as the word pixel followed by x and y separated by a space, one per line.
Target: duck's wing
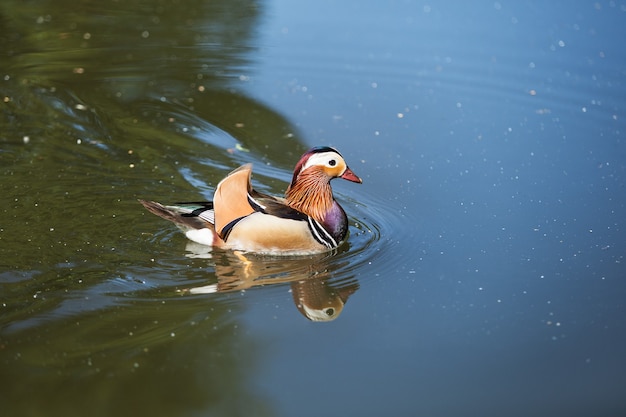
pixel 235 199
pixel 274 206
pixel 230 201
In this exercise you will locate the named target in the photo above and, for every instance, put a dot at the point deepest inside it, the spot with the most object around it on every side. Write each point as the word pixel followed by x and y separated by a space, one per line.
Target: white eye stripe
pixel 330 159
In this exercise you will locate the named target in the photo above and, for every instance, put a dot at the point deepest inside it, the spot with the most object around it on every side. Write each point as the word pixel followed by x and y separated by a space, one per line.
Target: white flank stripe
pixel 326 239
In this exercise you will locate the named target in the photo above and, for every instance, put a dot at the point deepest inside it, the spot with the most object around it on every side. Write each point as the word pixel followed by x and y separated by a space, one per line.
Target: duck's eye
pixel 332 162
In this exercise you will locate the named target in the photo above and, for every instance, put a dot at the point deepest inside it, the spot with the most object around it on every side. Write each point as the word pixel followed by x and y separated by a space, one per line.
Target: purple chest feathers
pixel 336 222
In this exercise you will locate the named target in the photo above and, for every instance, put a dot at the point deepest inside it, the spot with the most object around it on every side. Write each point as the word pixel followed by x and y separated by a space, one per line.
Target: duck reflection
pixel 315 293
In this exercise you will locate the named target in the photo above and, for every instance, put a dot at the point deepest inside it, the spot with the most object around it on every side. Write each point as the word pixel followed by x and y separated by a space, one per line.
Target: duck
pixel 307 220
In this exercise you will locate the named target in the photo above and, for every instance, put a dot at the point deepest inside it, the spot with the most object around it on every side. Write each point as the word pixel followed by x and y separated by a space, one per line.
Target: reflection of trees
pixel 163 72
pixel 88 82
pixel 165 357
pixel 134 42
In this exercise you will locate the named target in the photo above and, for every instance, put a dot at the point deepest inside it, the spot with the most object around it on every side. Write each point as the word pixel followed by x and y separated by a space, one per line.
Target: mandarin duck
pixel 307 220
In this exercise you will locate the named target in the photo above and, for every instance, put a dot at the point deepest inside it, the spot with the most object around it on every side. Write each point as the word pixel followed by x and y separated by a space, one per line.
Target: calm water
pixel 485 270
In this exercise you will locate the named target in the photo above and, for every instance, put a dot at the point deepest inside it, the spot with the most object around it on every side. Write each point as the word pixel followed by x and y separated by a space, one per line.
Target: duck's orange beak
pixel 350 176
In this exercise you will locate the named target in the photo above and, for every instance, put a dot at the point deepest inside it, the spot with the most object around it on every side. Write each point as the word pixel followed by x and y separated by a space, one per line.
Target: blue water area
pixel 493 136
pixel 485 269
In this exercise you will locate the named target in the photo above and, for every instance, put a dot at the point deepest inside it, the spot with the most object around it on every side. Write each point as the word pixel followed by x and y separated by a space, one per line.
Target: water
pixel 484 273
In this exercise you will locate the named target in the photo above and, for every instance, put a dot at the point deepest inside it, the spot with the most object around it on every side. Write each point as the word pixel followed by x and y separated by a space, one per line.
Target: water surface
pixel 484 272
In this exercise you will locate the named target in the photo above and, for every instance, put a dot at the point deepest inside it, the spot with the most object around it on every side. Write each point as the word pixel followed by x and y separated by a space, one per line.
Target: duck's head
pixel 323 162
